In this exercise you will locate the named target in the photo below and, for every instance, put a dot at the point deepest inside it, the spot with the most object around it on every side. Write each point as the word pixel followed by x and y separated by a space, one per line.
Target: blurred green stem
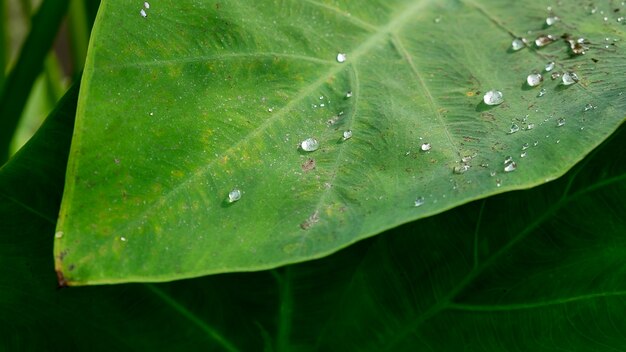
pixel 18 84
pixel 79 33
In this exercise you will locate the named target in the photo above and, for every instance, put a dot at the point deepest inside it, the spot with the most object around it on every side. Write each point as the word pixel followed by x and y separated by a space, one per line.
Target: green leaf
pixel 534 270
pixel 198 99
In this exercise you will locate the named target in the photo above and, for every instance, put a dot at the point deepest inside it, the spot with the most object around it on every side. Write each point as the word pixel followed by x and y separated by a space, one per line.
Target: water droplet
pixel 347 134
pixel 508 159
pixel 550 66
pixel 349 94
pixel 523 155
pixel 541 93
pixel 551 20
pixel 525 146
pixel 143 13
pixel 517 44
pixel 419 201
pixel 426 147
pixel 309 145
pixel 577 45
pixel 589 107
pixel 493 97
pixel 438 19
pixel 569 78
pixel 492 173
pixel 510 167
pixel 460 169
pixel 544 40
pixel 467 158
pixel 514 128
pixel 270 109
pixel 234 195
pixel 530 126
pixel 123 239
pixel 536 143
pixel 621 19
pixel 58 234
pixel 498 182
pixel 555 75
pixel 593 10
pixel 558 141
pixel 560 122
pixel 146 5
pixel 534 79
pixel 341 57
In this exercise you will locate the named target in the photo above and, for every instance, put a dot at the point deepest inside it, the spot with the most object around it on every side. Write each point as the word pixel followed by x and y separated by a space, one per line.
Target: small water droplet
pixel 493 97
pixel 341 57
pixel 349 94
pixel 555 75
pixel 270 109
pixel 605 18
pixel 514 128
pixel 541 93
pixel 492 173
pixel 517 44
pixel 525 146
pixel 425 147
pixel 569 78
pixel 558 141
pixel 560 122
pixel 498 182
pixel 146 5
pixel 523 155
pixel 143 13
pixel 621 19
pixel 534 79
pixel 551 20
pixel 438 19
pixel 234 195
pixel 467 158
pixel 123 239
pixel 550 66
pixel 58 234
pixel 530 126
pixel 460 169
pixel 508 159
pixel 589 107
pixel 544 40
pixel 347 134
pixel 419 201
pixel 536 143
pixel 309 145
pixel 510 167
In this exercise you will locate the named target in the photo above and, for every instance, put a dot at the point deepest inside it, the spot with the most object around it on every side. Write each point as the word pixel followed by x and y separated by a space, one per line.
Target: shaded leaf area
pixel 538 270
pixel 198 99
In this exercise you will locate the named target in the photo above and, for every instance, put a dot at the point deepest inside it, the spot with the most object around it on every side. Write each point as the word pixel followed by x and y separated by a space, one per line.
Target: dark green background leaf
pixel 198 98
pixel 535 270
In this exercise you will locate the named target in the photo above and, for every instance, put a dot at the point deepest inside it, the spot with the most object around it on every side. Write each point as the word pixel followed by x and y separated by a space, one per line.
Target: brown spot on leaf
pixel 308 165
pixel 312 220
pixel 61 279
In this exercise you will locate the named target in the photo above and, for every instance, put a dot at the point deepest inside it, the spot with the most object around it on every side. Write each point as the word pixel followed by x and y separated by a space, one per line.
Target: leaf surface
pixel 533 270
pixel 198 99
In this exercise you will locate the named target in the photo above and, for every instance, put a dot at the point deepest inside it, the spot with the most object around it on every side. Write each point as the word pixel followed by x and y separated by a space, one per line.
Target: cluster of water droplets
pixel 143 12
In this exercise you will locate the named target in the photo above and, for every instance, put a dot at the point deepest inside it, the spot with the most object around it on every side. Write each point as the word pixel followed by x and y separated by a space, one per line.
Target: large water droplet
pixel 493 97
pixel 514 128
pixel 347 134
pixel 234 195
pixel 517 44
pixel 309 145
pixel 569 78
pixel 419 201
pixel 143 13
pixel 550 66
pixel 146 5
pixel 510 167
pixel 425 147
pixel 341 57
pixel 544 40
pixel 534 79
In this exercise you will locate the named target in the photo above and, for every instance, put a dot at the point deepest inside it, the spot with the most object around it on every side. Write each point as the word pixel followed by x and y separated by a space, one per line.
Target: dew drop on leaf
pixel 309 145
pixel 234 195
pixel 549 66
pixel 419 201
pixel 425 147
pixel 510 167
pixel 534 79
pixel 341 57
pixel 517 44
pixel 493 97
pixel 569 78
pixel 347 134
